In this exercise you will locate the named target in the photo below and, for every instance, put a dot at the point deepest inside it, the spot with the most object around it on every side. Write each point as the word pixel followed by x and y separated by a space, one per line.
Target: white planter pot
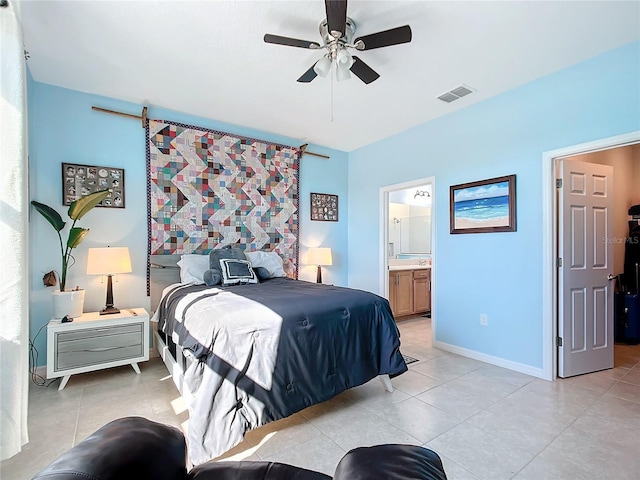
pixel 70 303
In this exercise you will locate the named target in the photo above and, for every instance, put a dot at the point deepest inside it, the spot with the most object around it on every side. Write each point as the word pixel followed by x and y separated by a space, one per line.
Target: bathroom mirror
pixel 409 229
pixel 415 234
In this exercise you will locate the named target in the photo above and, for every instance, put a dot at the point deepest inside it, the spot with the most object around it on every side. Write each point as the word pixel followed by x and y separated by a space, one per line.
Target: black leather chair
pixel 137 448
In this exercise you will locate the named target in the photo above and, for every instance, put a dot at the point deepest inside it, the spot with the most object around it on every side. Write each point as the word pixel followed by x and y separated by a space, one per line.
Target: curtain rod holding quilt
pixel 303 151
pixel 143 117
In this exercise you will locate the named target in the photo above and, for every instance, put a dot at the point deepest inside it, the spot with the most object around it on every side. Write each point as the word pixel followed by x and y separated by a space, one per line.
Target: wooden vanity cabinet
pixel 421 290
pixel 410 291
pixel 401 292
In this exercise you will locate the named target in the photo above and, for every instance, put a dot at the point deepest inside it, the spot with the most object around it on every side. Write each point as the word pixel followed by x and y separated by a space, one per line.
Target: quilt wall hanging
pixel 207 189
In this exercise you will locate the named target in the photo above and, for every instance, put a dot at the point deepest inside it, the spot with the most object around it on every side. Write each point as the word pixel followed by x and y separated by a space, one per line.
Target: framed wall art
pixel 80 180
pixel 324 207
pixel 483 206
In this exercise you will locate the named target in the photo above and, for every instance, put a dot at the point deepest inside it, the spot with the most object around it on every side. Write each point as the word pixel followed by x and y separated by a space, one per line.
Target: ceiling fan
pixel 337 32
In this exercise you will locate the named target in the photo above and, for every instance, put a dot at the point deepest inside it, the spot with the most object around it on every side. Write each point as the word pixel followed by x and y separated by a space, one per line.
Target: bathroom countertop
pixel 408 267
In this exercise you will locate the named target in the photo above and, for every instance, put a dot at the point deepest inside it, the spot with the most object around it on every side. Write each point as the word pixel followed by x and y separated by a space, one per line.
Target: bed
pixel 245 355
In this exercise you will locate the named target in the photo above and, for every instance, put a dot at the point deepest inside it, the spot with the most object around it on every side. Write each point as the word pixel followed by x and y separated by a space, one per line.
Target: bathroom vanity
pixel 409 290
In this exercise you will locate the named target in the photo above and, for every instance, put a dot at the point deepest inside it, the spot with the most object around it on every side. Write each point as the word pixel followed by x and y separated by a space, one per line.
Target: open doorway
pixel 622 153
pixel 407 253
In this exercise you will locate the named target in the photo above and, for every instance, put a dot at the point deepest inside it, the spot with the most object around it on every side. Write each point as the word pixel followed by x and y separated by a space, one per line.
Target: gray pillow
pixel 262 273
pixel 213 276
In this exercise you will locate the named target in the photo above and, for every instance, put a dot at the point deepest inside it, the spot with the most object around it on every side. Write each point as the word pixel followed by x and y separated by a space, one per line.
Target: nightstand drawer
pixel 98 332
pixel 96 346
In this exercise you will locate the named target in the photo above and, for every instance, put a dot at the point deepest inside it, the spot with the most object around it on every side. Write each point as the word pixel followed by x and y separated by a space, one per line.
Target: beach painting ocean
pixel 484 206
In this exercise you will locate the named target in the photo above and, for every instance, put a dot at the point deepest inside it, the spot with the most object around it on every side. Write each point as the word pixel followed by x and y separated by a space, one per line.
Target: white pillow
pixel 192 268
pixel 269 260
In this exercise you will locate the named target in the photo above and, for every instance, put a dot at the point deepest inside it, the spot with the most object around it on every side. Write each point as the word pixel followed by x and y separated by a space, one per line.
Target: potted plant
pixel 67 302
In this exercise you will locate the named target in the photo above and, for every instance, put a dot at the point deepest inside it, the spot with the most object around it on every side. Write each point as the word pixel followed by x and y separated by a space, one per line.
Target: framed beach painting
pixel 484 206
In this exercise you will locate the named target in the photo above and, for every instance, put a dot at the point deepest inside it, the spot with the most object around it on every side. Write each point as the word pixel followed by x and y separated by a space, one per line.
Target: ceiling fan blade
pixel 308 75
pixel 363 71
pixel 395 36
pixel 336 16
pixel 290 42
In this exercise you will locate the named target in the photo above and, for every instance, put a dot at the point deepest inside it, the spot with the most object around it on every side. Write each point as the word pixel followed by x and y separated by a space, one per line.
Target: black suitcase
pixel 627 315
pixel 627 294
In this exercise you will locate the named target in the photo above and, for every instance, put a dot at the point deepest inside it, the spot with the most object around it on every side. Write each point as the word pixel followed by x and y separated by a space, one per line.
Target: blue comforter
pixel 266 351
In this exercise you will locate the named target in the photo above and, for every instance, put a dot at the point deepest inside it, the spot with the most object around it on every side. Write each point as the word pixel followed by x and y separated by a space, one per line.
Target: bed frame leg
pixel 386 382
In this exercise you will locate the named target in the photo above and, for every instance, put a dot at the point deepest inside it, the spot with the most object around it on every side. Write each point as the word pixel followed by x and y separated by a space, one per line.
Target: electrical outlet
pixel 484 319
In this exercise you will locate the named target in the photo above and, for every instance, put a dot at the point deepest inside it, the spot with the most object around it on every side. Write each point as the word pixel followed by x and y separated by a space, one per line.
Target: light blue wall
pixel 499 274
pixel 63 128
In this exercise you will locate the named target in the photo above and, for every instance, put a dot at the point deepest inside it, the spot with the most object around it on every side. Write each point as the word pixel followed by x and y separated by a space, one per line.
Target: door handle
pixel 610 277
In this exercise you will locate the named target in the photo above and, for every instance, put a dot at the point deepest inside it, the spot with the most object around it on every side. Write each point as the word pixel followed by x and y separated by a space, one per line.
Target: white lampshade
pixel 319 256
pixel 108 261
pixel 322 66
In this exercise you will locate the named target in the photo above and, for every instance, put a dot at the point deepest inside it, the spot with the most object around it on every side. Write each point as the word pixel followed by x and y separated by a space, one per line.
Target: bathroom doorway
pixel 407 233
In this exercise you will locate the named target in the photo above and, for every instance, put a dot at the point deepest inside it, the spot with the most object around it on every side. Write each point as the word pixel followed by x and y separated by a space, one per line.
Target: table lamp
pixel 319 256
pixel 108 261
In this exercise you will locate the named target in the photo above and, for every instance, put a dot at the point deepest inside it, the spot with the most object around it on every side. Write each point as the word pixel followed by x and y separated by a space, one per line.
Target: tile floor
pixel 484 421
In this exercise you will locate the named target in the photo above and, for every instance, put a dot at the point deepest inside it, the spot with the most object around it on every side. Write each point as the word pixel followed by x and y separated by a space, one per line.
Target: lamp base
pixel 319 275
pixel 109 311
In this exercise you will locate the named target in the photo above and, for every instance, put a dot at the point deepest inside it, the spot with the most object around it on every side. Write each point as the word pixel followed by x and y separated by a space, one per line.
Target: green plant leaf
pixel 50 214
pixel 76 235
pixel 81 206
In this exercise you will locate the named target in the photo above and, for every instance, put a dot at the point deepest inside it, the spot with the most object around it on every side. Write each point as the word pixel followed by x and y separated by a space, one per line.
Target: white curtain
pixel 14 210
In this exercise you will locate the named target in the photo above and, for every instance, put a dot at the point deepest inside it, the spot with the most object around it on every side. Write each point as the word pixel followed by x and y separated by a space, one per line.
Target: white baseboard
pixel 497 361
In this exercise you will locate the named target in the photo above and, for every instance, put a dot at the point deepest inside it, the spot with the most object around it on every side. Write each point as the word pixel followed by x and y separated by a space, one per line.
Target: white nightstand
pixel 93 342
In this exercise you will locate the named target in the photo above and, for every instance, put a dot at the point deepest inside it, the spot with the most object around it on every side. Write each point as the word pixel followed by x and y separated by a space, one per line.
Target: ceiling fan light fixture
pixel 344 59
pixel 342 74
pixel 337 31
pixel 323 66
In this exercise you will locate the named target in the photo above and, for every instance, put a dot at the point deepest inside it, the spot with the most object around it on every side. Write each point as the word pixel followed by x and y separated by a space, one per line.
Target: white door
pixel 585 296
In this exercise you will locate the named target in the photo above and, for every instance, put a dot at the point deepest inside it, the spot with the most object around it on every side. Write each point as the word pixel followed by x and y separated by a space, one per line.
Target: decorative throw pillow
pixel 237 272
pixel 262 273
pixel 269 260
pixel 192 268
pixel 213 276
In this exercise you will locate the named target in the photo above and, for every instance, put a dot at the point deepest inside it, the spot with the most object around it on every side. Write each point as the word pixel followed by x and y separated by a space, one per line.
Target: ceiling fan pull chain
pixel 331 88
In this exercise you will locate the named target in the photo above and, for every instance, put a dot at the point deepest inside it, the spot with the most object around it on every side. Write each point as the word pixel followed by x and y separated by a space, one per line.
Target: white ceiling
pixel 208 58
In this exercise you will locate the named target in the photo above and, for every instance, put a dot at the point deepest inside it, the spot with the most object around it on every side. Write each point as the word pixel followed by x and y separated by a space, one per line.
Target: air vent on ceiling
pixel 455 94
